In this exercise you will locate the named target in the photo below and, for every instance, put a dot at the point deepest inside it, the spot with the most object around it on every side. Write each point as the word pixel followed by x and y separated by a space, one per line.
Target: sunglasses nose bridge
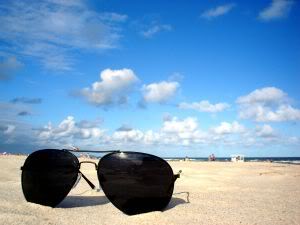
pixel 84 177
pixel 96 166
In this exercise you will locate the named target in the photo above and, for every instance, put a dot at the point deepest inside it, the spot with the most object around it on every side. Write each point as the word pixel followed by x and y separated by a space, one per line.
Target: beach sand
pixel 207 193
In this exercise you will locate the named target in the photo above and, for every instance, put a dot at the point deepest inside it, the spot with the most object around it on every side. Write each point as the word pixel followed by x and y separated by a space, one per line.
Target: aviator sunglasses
pixel 133 182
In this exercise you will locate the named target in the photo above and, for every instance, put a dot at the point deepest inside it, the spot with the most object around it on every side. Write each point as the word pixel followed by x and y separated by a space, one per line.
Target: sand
pixel 207 193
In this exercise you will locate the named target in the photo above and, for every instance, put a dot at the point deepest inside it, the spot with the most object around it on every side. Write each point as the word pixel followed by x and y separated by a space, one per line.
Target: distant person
pixel 213 157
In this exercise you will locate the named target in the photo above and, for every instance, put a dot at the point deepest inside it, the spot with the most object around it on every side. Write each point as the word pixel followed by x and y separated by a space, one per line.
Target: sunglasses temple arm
pixel 176 176
pixel 88 181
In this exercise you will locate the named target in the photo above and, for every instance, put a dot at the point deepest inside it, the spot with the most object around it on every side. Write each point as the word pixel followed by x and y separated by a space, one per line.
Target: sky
pixel 170 78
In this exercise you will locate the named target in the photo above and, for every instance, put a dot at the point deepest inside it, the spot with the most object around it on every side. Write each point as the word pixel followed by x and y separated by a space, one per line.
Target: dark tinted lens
pixel 136 182
pixel 48 176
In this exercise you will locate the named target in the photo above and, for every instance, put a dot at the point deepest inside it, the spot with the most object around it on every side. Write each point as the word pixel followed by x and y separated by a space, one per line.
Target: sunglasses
pixel 133 182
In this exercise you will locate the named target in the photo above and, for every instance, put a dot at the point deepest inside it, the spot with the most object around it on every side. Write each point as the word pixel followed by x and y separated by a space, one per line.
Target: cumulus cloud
pixel 268 104
pixel 8 67
pixel 205 106
pixel 151 137
pixel 51 30
pixel 276 10
pixel 265 131
pixel 112 88
pixel 229 128
pixel 174 132
pixel 132 135
pixel 159 92
pixel 186 133
pixel 18 136
pixel 68 132
pixel 263 95
pixel 136 137
pixel 7 129
pixel 175 125
pixel 155 29
pixel 182 131
pixel 217 11
pixel 261 113
pixel 10 133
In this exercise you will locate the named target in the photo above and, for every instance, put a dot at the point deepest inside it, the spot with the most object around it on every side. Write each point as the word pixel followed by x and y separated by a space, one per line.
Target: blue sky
pixel 170 78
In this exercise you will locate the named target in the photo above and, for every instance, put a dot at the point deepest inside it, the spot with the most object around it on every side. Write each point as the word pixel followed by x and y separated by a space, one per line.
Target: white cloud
pixel 132 135
pixel 229 128
pixel 276 10
pixel 182 132
pixel 127 135
pixel 8 129
pixel 284 113
pixel 154 29
pixel 174 125
pixel 204 106
pixel 68 132
pixel 174 132
pixel 151 137
pixel 267 105
pixel 265 131
pixel 159 92
pixel 217 11
pixel 267 114
pixel 16 135
pixel 263 95
pixel 112 88
pixel 51 30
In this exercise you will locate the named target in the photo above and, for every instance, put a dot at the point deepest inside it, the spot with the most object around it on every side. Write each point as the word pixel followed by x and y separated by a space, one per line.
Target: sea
pixel 286 160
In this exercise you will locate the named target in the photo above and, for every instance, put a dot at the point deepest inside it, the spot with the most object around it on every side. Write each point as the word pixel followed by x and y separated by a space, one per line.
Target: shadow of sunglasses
pixel 133 182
